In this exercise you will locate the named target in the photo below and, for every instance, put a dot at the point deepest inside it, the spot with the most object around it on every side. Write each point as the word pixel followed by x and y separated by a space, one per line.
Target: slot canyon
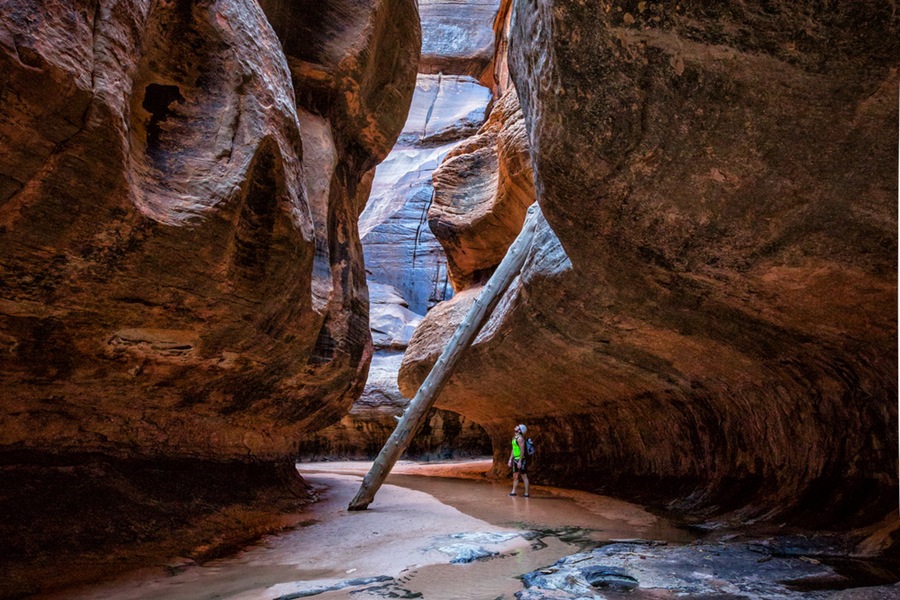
pixel 237 235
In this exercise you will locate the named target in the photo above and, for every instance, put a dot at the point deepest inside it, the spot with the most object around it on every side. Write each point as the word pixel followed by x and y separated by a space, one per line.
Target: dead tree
pixel 414 416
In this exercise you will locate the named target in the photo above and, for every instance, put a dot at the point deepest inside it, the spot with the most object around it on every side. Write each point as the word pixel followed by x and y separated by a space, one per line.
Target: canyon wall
pixel 707 317
pixel 449 105
pixel 181 277
pixel 181 269
pixel 407 269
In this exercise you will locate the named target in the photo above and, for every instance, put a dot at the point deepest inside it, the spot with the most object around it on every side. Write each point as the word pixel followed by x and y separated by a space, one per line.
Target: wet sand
pixel 463 485
pixel 403 544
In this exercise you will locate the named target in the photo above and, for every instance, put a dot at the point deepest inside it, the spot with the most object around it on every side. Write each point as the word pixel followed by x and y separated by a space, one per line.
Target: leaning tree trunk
pixel 465 334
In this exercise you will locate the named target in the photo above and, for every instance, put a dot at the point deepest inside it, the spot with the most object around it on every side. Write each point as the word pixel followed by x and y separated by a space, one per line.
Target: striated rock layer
pixel 707 319
pixel 448 107
pixel 457 37
pixel 400 249
pixel 181 276
pixel 482 190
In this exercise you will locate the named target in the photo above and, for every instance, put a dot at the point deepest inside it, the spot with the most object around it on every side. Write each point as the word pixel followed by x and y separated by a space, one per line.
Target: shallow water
pixel 399 546
pixel 480 580
pixel 563 521
pixel 566 512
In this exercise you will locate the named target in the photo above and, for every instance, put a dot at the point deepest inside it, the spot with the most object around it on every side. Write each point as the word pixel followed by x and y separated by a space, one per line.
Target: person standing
pixel 517 459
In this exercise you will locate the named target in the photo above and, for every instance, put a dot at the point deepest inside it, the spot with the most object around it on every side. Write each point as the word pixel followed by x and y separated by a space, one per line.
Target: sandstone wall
pixel 707 319
pixel 181 277
pixel 449 108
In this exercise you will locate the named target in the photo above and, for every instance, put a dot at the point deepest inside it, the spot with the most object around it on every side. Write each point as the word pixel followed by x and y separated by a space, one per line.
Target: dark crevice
pixel 158 99
pixel 255 230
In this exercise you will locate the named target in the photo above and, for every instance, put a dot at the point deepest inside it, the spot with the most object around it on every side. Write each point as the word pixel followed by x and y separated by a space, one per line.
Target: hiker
pixel 517 459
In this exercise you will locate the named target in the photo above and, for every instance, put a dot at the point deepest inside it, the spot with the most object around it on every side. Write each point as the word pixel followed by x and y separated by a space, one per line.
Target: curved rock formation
pixel 448 107
pixel 707 319
pixel 457 37
pixel 182 277
pixel 481 192
pixel 400 250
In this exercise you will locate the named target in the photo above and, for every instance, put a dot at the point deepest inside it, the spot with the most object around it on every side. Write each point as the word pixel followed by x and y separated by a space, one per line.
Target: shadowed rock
pixel 710 324
pixel 190 253
pixel 180 182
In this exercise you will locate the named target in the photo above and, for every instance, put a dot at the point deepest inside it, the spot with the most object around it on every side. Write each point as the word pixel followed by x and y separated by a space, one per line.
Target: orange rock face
pixel 707 319
pixel 481 193
pixel 181 273
pixel 181 277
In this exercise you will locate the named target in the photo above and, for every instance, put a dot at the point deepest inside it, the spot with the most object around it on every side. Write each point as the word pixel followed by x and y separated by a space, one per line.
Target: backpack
pixel 529 447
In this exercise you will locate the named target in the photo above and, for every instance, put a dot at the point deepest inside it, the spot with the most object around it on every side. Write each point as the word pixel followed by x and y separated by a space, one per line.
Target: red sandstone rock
pixel 711 322
pixel 179 278
pixel 481 192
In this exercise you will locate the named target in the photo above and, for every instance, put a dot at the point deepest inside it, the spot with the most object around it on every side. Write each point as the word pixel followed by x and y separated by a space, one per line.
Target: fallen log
pixel 414 416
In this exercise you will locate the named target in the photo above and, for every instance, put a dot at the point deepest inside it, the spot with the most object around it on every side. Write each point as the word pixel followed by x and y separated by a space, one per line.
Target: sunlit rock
pixel 399 247
pixel 481 192
pixel 458 37
pixel 391 322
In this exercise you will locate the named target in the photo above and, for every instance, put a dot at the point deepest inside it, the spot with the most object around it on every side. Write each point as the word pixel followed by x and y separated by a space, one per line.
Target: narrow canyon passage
pixel 236 235
pixel 405 542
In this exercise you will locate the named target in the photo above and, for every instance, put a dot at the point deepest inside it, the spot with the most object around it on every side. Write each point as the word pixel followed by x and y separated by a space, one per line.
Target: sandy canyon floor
pixel 426 517
pixel 443 531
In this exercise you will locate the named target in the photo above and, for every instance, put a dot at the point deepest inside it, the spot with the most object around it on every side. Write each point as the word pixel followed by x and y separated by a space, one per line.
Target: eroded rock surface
pixel 457 37
pixel 448 107
pixel 481 192
pixel 400 249
pixel 190 251
pixel 182 276
pixel 710 324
